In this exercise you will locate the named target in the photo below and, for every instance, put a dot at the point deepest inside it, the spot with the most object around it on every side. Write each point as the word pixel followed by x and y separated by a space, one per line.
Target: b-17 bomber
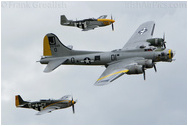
pixel 88 24
pixel 45 106
pixel 141 52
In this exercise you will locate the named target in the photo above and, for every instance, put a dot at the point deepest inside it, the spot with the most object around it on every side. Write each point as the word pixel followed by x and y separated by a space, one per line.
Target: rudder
pixel 19 100
pixel 63 19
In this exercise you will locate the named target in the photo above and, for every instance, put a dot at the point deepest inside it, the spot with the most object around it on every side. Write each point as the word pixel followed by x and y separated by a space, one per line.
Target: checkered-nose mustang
pixel 141 52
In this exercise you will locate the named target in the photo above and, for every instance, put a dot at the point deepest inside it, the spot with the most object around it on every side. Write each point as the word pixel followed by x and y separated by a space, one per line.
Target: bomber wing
pixel 47 110
pixel 116 70
pixel 144 32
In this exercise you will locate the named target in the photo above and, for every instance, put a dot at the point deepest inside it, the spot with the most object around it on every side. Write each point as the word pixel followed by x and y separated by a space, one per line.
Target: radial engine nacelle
pixel 159 42
pixel 135 69
pixel 147 63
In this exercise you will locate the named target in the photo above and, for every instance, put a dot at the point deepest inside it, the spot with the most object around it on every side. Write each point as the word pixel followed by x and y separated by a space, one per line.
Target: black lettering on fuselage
pixel 114 57
pixel 52 40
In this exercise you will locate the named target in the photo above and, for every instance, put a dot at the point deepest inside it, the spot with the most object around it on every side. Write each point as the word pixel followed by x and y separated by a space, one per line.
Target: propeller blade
pixel 164 45
pixel 112 23
pixel 112 27
pixel 155 67
pixel 73 105
pixel 144 74
pixel 164 41
pixel 164 36
pixel 73 108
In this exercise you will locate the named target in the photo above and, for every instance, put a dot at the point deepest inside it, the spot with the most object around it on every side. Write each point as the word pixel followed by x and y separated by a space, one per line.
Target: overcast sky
pixel 160 99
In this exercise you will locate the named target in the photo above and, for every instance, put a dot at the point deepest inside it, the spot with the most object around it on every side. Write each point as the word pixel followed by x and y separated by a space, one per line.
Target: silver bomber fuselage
pixel 103 58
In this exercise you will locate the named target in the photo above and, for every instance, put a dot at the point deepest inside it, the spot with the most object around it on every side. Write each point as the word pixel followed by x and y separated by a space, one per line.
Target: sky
pixel 159 100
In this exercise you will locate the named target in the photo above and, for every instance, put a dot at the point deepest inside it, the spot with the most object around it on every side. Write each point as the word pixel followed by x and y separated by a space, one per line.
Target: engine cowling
pixel 135 69
pixel 156 42
pixel 147 63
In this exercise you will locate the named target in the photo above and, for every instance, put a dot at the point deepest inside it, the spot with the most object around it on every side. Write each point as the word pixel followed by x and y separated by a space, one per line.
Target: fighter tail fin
pixel 52 46
pixel 19 101
pixel 63 20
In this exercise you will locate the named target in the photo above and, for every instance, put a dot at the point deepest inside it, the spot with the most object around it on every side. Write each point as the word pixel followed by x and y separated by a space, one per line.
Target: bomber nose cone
pixel 171 53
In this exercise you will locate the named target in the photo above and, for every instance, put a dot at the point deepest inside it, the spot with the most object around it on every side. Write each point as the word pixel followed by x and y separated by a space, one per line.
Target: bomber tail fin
pixel 54 49
pixel 52 46
pixel 63 20
pixel 19 101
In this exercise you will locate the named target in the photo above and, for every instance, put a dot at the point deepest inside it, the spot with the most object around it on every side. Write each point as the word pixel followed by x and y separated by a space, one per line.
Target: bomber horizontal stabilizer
pixel 53 65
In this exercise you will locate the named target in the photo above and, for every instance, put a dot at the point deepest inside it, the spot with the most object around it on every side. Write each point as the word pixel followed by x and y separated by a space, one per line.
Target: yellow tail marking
pixel 123 71
pixel 46 47
pixel 170 56
pixel 17 101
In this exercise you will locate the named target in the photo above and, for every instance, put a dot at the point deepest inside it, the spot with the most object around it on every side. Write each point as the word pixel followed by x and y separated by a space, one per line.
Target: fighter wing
pixel 47 110
pixel 53 64
pixel 144 32
pixel 90 27
pixel 102 17
pixel 115 70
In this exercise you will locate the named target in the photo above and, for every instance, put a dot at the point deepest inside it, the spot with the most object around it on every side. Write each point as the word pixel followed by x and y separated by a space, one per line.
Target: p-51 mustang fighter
pixel 138 54
pixel 88 24
pixel 46 106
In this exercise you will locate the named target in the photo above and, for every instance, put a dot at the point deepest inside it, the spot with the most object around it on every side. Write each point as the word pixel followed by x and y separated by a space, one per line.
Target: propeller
pixel 73 102
pixel 112 23
pixel 164 41
pixel 144 68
